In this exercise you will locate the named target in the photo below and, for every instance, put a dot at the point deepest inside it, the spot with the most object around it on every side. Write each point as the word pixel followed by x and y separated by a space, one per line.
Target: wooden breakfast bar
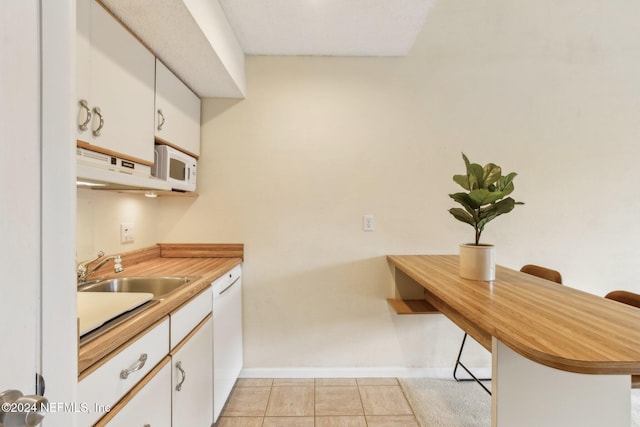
pixel 560 356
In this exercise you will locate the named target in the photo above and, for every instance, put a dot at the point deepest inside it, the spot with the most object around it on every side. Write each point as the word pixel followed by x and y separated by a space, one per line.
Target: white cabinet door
pixel 151 406
pixel 192 384
pixel 116 76
pixel 177 112
pixel 83 72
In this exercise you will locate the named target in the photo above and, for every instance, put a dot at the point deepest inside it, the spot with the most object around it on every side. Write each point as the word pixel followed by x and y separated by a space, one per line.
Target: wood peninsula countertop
pixel 551 324
pixel 209 261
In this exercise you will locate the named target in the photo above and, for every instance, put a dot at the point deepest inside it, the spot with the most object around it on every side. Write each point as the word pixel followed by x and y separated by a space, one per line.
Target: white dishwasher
pixel 227 336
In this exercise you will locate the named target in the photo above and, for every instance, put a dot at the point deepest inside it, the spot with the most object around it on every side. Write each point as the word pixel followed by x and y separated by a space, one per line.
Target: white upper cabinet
pixel 195 41
pixel 177 112
pixel 115 79
pixel 83 87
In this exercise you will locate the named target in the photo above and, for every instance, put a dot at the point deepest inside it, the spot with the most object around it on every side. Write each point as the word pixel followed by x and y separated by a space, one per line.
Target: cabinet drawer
pixel 186 318
pixel 105 386
pixel 150 406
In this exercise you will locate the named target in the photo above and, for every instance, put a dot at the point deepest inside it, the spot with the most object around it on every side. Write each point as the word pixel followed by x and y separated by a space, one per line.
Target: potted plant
pixel 484 200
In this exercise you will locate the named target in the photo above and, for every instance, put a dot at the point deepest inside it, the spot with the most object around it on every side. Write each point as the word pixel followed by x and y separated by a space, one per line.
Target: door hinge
pixel 39 385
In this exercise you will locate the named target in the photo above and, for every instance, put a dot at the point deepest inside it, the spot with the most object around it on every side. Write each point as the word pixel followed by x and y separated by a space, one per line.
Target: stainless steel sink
pixel 159 286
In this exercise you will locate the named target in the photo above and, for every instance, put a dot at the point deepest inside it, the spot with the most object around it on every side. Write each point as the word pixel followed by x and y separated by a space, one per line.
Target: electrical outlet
pixel 126 232
pixel 367 222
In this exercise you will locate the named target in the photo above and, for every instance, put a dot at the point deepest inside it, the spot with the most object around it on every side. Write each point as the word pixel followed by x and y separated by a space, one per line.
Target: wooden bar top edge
pixel 554 325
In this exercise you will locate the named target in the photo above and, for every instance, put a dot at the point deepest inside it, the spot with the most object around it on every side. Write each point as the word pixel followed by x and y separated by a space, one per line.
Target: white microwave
pixel 175 167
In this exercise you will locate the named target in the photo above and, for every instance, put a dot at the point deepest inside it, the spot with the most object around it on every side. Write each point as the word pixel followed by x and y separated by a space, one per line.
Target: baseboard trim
pixel 378 372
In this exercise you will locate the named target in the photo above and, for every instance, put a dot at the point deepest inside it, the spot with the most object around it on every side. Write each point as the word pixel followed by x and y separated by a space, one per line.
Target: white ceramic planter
pixel 477 262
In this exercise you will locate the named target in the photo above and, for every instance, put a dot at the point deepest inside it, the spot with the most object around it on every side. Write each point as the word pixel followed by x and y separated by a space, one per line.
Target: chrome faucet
pixel 84 271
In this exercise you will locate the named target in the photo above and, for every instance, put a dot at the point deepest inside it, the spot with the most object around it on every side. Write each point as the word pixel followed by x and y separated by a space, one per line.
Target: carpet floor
pixel 447 403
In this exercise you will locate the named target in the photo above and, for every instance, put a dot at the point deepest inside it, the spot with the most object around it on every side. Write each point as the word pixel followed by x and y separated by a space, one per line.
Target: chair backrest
pixel 633 300
pixel 625 297
pixel 542 272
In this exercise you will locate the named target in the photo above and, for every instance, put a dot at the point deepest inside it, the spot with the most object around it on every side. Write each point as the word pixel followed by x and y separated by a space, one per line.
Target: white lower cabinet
pixel 192 379
pixel 151 407
pixel 152 383
pixel 187 318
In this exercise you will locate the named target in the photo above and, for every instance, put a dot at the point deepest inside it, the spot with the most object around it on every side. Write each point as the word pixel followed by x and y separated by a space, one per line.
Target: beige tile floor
pixel 320 402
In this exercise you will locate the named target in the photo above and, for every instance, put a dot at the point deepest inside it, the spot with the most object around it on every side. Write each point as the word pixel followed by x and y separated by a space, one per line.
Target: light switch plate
pixel 126 232
pixel 367 222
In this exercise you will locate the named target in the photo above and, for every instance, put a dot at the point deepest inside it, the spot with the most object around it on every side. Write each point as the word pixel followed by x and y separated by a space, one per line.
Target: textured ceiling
pixel 326 27
pixel 204 41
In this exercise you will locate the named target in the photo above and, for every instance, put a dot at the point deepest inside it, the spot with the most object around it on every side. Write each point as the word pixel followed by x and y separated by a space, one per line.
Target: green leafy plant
pixel 486 195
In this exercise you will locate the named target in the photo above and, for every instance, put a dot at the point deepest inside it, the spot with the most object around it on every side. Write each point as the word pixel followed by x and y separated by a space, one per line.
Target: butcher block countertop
pixel 209 261
pixel 553 325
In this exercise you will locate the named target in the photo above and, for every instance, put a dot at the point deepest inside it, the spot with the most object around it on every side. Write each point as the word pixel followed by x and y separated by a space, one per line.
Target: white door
pixel 20 197
pixel 36 211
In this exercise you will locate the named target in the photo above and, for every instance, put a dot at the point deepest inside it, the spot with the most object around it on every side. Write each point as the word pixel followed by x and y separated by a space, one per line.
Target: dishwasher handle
pixel 228 287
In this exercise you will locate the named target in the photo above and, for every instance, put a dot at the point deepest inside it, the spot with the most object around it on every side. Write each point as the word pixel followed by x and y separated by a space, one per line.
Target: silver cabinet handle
pixel 161 116
pixel 85 106
pixel 21 411
pixel 124 374
pixel 184 375
pixel 97 112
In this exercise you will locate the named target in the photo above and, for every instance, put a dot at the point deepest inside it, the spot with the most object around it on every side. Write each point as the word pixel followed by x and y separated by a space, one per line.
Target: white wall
pixel 549 90
pixel 99 215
